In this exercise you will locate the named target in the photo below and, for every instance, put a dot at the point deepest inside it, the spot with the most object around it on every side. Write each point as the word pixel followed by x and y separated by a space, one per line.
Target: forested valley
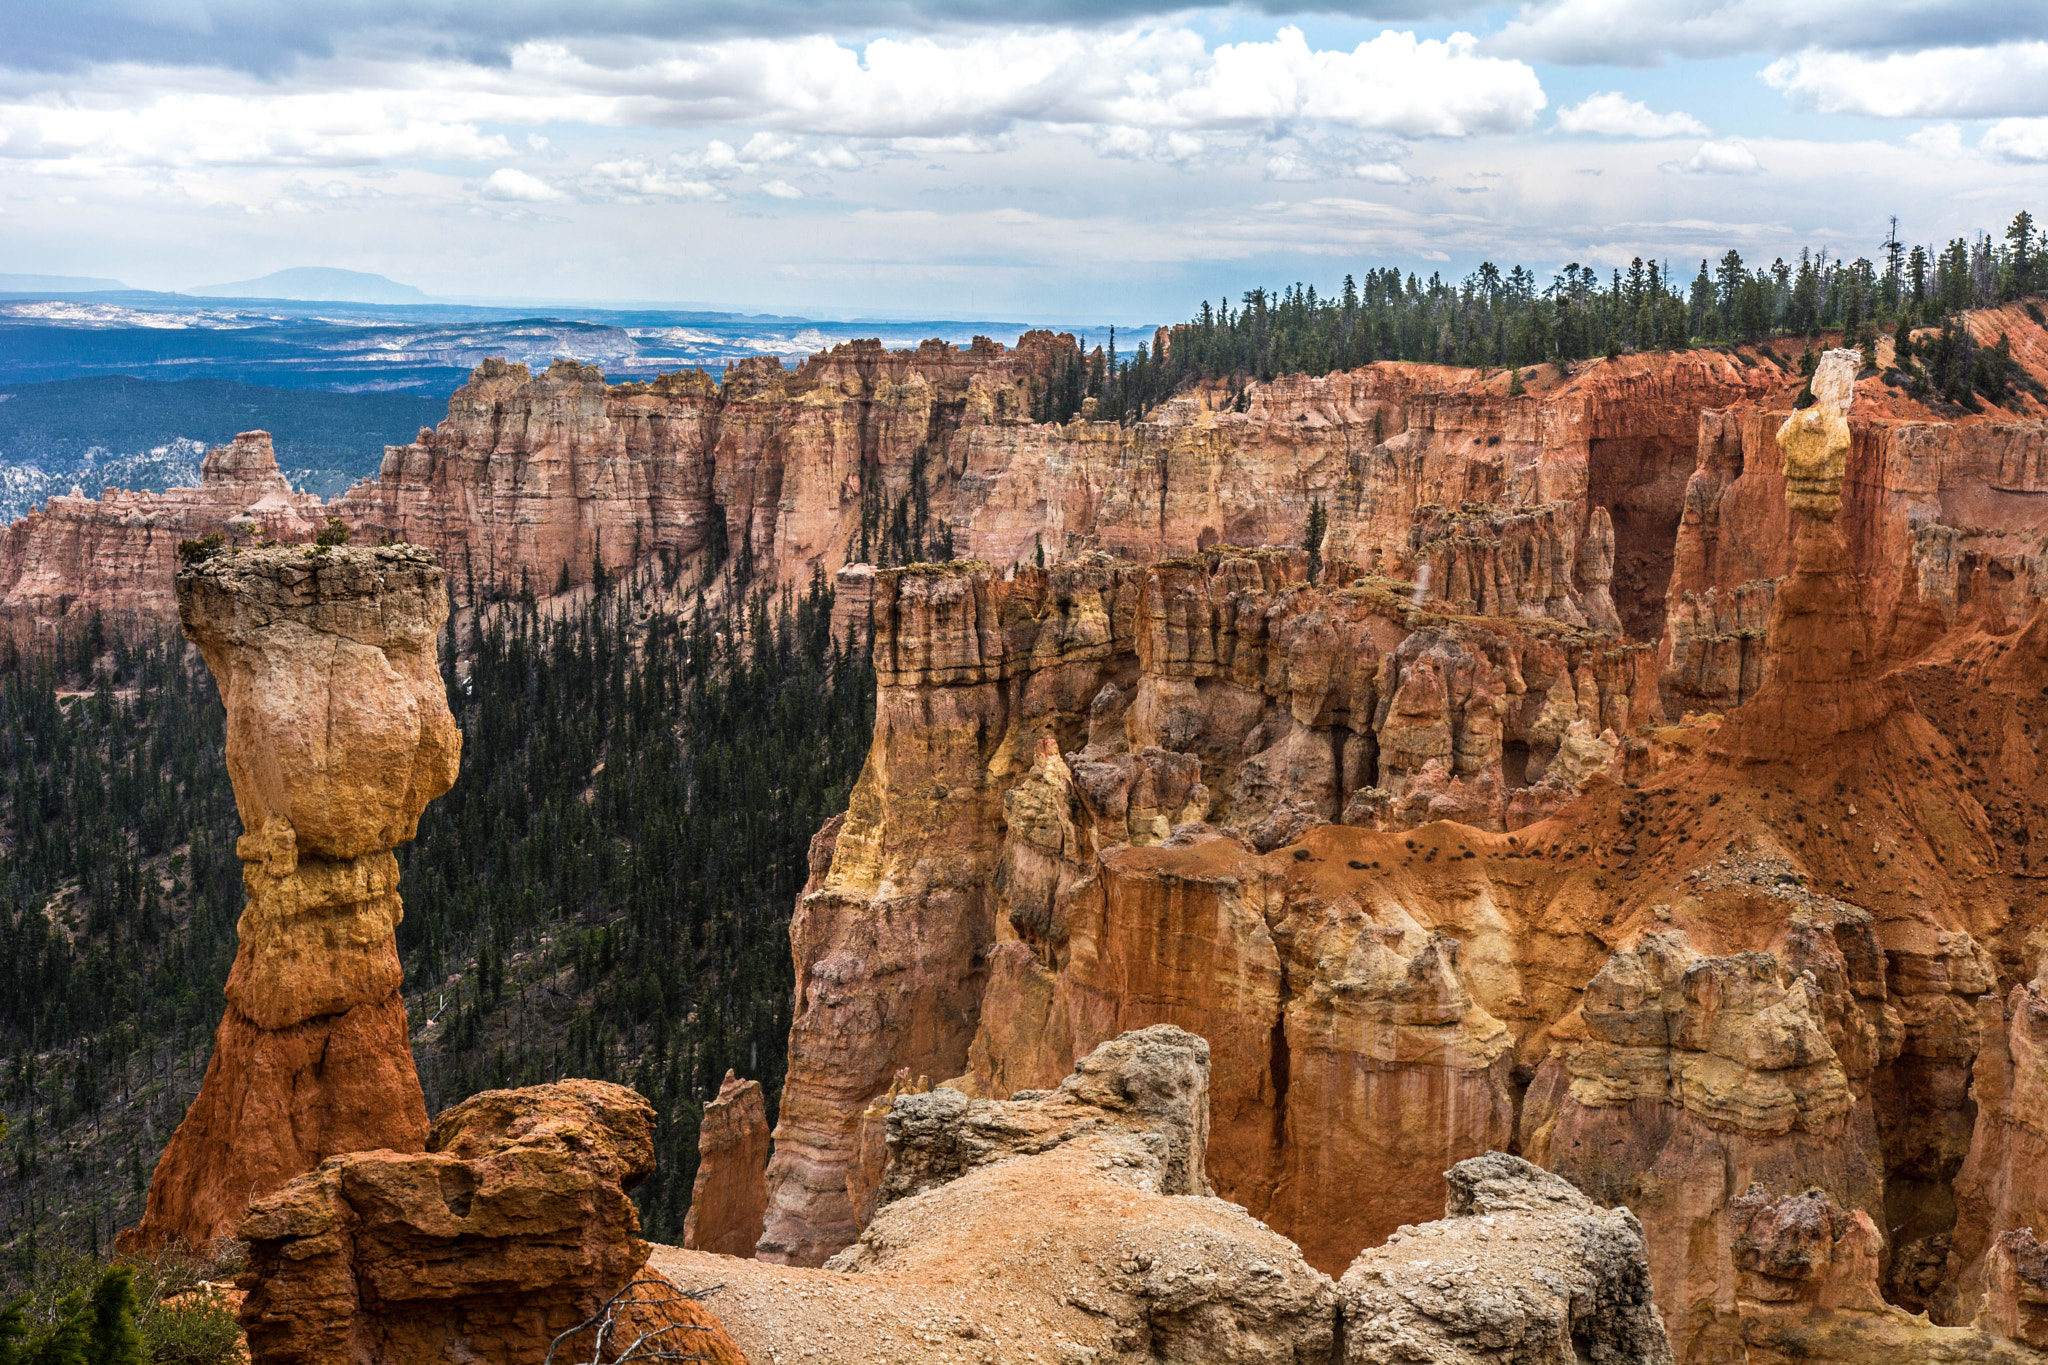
pixel 606 891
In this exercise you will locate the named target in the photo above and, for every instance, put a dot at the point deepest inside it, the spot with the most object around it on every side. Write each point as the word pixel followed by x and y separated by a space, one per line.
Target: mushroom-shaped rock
pixel 338 735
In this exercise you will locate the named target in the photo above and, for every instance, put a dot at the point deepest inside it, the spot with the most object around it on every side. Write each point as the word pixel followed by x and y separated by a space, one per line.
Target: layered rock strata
pixel 509 1230
pixel 1793 947
pixel 338 735
pixel 115 555
pixel 730 1197
pixel 1556 504
pixel 1041 736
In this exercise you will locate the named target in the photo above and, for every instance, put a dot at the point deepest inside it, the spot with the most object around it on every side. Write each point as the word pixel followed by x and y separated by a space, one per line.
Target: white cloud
pixel 513 184
pixel 1939 82
pixel 1382 173
pixel 2016 139
pixel 1136 144
pixel 633 179
pixel 1293 166
pixel 1938 139
pixel 1718 158
pixel 1154 79
pixel 780 189
pixel 1642 33
pixel 837 157
pixel 188 130
pixel 1615 115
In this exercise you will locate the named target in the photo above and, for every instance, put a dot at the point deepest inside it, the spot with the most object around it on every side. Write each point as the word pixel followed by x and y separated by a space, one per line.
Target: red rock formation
pixel 532 479
pixel 116 554
pixel 511 1228
pixel 730 1197
pixel 1770 946
pixel 994 906
pixel 1069 1224
pixel 338 736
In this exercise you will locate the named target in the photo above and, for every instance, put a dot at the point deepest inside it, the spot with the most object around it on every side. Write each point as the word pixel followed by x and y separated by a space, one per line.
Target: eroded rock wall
pixel 116 554
pixel 1064 831
pixel 1795 947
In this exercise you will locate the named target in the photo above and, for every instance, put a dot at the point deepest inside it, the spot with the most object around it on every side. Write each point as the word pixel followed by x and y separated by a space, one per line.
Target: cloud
pixel 635 180
pixel 1943 82
pixel 357 128
pixel 1135 144
pixel 780 189
pixel 2022 140
pixel 1300 163
pixel 510 183
pixel 1614 115
pixel 1718 158
pixel 1650 32
pixel 1158 80
pixel 273 39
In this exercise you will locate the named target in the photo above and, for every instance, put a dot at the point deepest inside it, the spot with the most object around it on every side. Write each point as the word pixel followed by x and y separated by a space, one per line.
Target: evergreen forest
pixel 1514 320
pixel 606 892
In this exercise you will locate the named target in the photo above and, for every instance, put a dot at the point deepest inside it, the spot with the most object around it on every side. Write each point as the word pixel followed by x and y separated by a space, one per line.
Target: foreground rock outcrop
pixel 1069 1225
pixel 338 735
pixel 1522 1268
pixel 1076 1224
pixel 509 1230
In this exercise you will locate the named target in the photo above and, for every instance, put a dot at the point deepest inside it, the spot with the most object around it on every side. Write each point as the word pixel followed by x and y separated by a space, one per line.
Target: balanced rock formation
pixel 509 1230
pixel 730 1196
pixel 1069 1225
pixel 1523 1268
pixel 338 735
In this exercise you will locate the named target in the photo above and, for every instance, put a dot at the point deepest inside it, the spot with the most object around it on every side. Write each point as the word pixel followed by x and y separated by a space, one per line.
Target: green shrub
pixel 206 547
pixel 157 1312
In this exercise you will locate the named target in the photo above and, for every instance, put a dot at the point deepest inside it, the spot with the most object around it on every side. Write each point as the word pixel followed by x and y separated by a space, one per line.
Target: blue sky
pixel 1062 160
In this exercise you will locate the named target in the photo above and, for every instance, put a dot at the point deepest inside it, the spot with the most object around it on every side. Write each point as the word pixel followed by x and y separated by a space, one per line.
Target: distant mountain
pixel 57 284
pixel 316 282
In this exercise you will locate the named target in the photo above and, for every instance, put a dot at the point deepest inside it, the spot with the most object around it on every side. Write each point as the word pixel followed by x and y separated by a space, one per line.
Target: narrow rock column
pixel 730 1201
pixel 1825 681
pixel 338 734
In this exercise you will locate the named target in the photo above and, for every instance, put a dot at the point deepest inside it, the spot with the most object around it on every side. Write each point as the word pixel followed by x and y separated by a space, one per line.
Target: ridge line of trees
pixel 1514 320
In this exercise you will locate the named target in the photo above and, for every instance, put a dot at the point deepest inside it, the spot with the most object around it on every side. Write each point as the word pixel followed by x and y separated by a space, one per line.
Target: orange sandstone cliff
pixel 1434 881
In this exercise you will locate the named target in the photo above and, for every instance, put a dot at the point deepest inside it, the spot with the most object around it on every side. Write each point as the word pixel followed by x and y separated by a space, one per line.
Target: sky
pixel 1041 160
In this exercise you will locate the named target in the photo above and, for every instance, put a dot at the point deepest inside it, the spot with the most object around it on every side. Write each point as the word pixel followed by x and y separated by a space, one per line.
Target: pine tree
pixel 1312 538
pixel 114 1338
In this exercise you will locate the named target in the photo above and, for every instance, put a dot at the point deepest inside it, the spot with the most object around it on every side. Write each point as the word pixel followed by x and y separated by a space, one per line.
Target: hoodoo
pixel 338 735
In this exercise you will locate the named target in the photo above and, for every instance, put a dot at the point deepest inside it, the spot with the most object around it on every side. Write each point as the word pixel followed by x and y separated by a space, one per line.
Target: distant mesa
pixel 316 282
pixel 56 284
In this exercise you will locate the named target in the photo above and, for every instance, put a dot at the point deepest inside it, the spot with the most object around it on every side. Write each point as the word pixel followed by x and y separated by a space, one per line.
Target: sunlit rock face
pixel 338 735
